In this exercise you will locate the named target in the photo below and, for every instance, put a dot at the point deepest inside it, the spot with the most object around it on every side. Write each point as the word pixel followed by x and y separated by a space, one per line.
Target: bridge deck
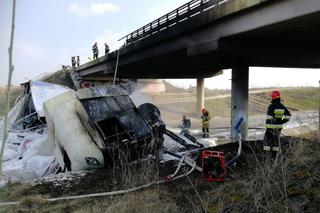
pixel 204 36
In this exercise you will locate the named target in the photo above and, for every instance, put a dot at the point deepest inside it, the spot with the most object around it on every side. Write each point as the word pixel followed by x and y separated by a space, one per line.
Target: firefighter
pixel 186 124
pixel 106 48
pixel 277 115
pixel 73 61
pixel 95 51
pixel 78 61
pixel 205 123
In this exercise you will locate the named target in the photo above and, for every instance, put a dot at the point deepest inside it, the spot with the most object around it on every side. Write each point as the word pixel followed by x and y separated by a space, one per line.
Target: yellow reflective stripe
pixel 266 148
pixel 278 113
pixel 274 126
pixel 275 148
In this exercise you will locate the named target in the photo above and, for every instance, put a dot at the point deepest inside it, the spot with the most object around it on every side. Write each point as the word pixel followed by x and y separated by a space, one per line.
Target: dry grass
pixel 15 91
pixel 288 184
pixel 125 175
pixel 59 77
pixel 301 99
pixel 152 200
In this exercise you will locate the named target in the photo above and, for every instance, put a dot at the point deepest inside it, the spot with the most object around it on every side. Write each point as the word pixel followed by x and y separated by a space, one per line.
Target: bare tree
pixel 8 92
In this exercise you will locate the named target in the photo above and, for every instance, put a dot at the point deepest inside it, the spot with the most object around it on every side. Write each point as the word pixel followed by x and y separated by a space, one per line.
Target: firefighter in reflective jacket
pixel 277 115
pixel 205 123
pixel 95 51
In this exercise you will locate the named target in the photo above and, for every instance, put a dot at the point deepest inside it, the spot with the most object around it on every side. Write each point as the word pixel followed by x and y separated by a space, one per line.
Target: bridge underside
pixel 256 37
pixel 269 33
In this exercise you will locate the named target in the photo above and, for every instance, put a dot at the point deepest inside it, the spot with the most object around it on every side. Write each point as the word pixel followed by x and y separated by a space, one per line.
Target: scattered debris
pixel 68 130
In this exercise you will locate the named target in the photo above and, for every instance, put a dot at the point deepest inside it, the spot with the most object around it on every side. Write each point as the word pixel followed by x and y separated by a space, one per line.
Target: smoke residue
pixel 138 98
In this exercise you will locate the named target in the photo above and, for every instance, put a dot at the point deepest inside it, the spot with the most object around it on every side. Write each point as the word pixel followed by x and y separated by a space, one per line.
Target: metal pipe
pixel 18 121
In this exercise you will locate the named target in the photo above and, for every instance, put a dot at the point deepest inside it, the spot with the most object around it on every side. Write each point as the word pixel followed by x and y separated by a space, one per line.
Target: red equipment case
pixel 213 166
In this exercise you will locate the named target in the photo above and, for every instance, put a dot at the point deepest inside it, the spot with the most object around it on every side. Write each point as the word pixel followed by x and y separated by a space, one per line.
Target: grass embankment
pixel 291 183
pixel 300 98
pixel 59 77
pixel 15 91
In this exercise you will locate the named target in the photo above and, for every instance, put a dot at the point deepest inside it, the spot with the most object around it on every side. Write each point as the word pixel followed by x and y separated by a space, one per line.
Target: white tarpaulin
pixel 23 162
pixel 42 91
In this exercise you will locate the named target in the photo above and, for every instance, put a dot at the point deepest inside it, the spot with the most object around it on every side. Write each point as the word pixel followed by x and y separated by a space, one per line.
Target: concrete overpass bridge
pixel 202 37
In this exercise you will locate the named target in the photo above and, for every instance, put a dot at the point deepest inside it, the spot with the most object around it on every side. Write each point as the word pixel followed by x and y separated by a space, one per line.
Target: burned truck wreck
pixel 92 128
pixel 137 132
pixel 88 128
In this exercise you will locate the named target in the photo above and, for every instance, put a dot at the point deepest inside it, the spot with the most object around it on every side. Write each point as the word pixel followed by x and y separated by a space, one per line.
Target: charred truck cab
pixel 121 126
pixel 97 126
pixel 117 119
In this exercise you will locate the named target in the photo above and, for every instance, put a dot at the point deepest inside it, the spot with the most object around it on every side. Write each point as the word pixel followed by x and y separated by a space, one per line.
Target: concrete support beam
pixel 239 100
pixel 200 95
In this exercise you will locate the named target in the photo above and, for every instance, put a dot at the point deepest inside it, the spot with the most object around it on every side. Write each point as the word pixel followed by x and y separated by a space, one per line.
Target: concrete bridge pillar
pixel 239 100
pixel 200 95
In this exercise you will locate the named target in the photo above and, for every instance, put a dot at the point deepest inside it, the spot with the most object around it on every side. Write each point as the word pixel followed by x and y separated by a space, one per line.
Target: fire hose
pixel 119 192
pixel 237 128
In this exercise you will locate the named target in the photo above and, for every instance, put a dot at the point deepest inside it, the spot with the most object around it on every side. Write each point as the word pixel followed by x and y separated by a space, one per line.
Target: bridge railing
pixel 180 14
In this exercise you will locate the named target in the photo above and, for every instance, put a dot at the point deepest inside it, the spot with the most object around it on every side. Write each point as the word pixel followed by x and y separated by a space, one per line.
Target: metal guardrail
pixel 182 13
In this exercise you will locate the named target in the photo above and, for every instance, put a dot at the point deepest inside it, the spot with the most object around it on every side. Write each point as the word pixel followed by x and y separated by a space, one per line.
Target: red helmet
pixel 275 94
pixel 203 110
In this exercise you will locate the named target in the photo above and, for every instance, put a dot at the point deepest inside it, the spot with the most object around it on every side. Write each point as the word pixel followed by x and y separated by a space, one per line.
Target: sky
pixel 49 32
